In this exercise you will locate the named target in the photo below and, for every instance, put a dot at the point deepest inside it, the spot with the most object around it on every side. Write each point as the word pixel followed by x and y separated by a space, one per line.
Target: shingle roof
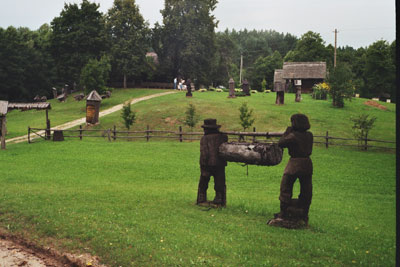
pixel 27 106
pixel 304 70
pixel 93 96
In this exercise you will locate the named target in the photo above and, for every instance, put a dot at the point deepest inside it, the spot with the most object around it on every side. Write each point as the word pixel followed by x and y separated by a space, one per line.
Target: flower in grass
pixel 89 263
pixel 367 251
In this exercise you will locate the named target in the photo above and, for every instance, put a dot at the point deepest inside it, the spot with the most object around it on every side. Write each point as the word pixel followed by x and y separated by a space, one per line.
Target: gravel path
pixel 77 122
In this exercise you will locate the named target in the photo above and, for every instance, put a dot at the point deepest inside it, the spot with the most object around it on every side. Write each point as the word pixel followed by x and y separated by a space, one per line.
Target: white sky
pixel 359 22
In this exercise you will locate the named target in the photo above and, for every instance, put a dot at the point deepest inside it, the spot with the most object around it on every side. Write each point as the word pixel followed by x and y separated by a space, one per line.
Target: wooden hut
pixel 93 101
pixel 309 73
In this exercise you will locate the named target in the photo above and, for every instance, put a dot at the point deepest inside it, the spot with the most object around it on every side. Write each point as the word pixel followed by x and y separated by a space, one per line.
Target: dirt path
pixel 80 121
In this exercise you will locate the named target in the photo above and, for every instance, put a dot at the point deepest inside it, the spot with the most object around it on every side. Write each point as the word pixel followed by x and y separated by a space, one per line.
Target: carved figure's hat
pixel 210 124
pixel 300 122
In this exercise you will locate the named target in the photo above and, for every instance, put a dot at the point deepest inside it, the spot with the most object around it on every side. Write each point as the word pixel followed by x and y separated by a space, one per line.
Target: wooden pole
pixel 254 137
pixel 180 133
pixel 334 55
pixel 327 139
pixel 115 133
pixel 109 135
pixel 147 133
pixel 80 132
pixel 3 132
pixel 47 125
pixel 29 134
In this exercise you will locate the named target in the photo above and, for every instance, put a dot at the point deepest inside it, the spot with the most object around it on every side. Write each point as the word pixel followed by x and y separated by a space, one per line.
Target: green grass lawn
pixel 132 203
pixel 168 113
pixel 18 122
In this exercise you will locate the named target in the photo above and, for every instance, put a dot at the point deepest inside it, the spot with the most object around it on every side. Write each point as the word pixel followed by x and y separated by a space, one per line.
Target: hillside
pixel 168 113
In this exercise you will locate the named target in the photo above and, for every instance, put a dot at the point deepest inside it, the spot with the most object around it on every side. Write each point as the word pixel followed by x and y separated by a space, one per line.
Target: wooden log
pixel 251 153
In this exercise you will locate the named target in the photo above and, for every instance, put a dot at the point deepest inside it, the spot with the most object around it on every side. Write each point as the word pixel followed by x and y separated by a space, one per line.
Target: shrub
pixel 320 91
pixel 219 90
pixel 253 91
pixel 212 89
pixel 191 118
pixel 240 93
pixel 128 115
pixel 245 117
pixel 203 90
pixel 268 91
pixel 361 127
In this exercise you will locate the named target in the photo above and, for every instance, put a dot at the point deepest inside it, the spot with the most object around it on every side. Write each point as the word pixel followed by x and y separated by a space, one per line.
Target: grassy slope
pixel 17 122
pixel 168 112
pixel 134 205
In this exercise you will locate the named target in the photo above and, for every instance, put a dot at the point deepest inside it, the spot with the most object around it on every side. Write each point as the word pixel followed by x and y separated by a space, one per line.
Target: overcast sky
pixel 359 22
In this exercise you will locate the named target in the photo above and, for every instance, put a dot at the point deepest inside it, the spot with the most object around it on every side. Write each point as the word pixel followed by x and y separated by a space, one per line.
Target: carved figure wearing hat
pixel 211 164
pixel 299 141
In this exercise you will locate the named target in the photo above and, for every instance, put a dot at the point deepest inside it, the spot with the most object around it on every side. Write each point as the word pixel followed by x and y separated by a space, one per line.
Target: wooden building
pixel 309 73
pixel 93 101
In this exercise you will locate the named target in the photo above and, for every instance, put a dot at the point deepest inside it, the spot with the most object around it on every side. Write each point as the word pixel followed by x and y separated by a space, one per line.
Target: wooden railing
pixel 180 135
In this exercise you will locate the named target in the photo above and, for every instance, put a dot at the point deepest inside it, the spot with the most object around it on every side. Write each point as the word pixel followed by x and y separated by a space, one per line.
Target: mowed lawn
pixel 132 204
pixel 168 113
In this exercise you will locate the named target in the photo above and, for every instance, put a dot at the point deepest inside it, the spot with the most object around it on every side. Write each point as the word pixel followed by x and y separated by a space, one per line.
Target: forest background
pixel 187 45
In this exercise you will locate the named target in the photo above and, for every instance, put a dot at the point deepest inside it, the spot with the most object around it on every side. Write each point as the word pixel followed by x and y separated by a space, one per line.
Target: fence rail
pixel 113 134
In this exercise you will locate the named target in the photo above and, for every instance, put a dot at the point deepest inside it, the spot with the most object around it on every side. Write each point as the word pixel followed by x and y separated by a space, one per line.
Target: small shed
pixel 93 101
pixel 309 73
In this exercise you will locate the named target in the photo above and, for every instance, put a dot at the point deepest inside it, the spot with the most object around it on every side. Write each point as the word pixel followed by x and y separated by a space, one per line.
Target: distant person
pixel 175 82
pixel 180 85
pixel 211 164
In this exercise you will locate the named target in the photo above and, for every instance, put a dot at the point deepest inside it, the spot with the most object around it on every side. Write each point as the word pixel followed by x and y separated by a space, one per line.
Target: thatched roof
pixel 278 76
pixel 93 96
pixel 3 107
pixel 304 70
pixel 28 106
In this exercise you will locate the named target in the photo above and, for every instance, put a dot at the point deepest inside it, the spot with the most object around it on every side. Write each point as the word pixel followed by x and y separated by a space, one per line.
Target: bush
pixel 253 91
pixel 361 127
pixel 191 118
pixel 268 91
pixel 240 94
pixel 245 117
pixel 203 90
pixel 320 91
pixel 128 115
pixel 219 90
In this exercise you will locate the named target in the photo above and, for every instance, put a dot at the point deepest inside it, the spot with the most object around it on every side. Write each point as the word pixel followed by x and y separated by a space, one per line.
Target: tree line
pixel 86 49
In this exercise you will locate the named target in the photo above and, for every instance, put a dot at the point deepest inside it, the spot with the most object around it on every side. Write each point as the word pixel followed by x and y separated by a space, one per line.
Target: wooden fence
pixel 180 135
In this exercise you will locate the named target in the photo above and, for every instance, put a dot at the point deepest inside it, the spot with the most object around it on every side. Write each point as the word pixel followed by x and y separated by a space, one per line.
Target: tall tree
pixel 188 38
pixel 264 68
pixel 128 33
pixel 379 69
pixel 78 35
pixel 310 47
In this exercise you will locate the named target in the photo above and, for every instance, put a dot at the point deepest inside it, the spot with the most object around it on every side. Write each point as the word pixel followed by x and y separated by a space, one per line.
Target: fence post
pixel 29 134
pixel 109 135
pixel 180 133
pixel 254 137
pixel 327 139
pixel 147 133
pixel 366 143
pixel 80 132
pixel 115 133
